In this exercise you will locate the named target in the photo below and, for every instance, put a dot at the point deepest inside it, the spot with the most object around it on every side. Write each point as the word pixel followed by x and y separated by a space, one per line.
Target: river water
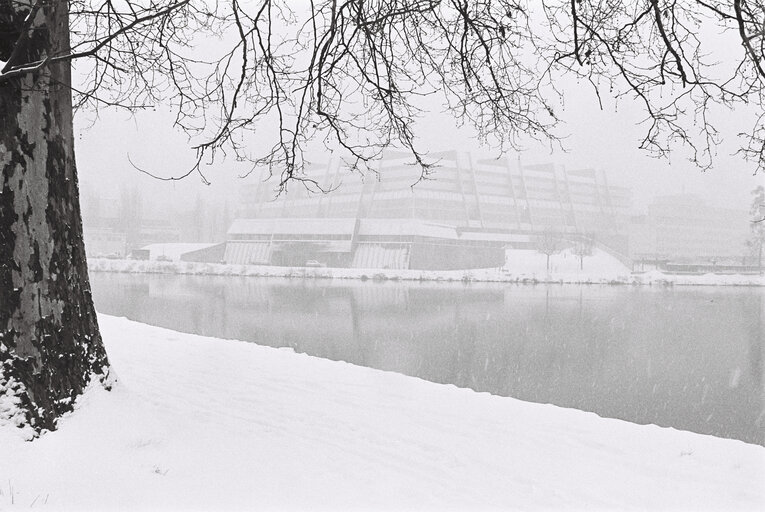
pixel 684 357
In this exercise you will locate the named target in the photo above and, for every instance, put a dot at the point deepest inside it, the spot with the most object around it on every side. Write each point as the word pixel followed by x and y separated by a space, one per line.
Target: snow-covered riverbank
pixel 201 423
pixel 609 276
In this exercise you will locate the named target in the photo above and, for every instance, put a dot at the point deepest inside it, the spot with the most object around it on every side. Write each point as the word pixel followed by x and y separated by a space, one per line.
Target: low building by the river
pixel 685 230
pixel 363 243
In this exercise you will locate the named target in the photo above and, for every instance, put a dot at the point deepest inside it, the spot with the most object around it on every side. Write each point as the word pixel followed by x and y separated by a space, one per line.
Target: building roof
pixel 367 227
pixel 292 226
pixel 406 227
pixel 173 251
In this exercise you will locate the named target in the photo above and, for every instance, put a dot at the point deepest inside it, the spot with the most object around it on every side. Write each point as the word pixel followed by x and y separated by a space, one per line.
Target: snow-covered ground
pixel 599 264
pixel 201 423
pixel 526 266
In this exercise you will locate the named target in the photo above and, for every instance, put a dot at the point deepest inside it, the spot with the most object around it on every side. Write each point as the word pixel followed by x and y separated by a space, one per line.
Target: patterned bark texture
pixel 50 347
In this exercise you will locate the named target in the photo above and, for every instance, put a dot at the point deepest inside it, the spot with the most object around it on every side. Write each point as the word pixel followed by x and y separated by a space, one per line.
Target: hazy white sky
pixel 600 139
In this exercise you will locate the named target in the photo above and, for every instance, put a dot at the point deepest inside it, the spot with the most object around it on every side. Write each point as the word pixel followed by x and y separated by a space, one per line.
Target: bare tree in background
pixel 548 243
pixel 351 73
pixel 757 226
pixel 583 247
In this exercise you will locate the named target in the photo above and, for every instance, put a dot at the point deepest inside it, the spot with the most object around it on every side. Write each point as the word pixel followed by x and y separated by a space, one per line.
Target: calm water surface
pixel 683 357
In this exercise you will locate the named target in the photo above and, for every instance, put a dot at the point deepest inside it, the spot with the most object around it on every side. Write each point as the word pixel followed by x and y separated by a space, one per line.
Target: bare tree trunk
pixel 548 262
pixel 50 346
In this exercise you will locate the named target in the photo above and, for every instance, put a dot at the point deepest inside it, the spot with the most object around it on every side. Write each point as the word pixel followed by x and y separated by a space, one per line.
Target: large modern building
pixel 685 229
pixel 462 215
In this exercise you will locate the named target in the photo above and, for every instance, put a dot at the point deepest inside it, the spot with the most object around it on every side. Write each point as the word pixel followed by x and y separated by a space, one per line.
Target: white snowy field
pixel 208 424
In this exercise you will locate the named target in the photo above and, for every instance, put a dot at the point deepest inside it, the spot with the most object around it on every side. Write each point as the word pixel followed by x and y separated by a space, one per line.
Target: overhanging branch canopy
pixel 352 72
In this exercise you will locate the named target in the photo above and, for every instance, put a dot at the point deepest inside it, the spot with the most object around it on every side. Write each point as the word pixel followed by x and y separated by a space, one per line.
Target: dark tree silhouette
pixel 348 72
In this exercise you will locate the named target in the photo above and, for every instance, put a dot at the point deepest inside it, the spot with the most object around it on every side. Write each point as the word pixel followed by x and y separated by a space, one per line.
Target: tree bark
pixel 50 346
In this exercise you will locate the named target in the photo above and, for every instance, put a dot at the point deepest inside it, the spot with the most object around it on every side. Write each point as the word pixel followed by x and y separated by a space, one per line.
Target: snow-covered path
pixel 200 423
pixel 525 267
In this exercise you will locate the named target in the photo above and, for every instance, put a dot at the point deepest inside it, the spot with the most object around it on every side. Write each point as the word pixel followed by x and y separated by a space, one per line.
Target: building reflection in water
pixel 690 358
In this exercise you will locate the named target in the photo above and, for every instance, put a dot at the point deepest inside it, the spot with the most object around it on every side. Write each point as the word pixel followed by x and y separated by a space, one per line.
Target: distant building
pixel 134 220
pixel 101 242
pixel 154 231
pixel 462 216
pixel 484 194
pixel 197 252
pixel 685 229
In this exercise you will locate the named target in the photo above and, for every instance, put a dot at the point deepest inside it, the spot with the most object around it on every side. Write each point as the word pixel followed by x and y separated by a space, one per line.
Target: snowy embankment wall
pixel 201 423
pixel 522 267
